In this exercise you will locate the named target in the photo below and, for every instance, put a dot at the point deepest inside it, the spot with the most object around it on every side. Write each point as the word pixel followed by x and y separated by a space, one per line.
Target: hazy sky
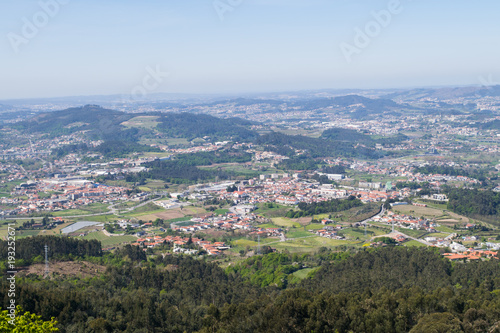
pixel 101 47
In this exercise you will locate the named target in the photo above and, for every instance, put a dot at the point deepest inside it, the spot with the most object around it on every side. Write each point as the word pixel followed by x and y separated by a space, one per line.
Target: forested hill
pixel 390 268
pixel 190 126
pixel 475 203
pixel 349 100
pixel 108 124
pixel 100 122
pixel 348 135
pixel 316 147
pixel 363 106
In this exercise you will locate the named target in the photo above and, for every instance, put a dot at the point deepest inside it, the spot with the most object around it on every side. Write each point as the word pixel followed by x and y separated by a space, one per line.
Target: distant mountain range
pixel 359 105
pixel 356 104
pixel 446 93
pixel 270 97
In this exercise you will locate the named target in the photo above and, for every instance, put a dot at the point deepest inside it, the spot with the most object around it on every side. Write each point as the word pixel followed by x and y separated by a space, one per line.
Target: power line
pixel 46 261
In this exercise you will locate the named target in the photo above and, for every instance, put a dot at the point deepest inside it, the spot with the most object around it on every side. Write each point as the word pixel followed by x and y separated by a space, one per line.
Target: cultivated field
pixel 148 122
pixel 440 215
pixel 109 240
pixel 157 212
pixel 285 222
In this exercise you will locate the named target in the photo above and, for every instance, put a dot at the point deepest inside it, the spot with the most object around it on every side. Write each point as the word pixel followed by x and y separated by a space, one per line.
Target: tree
pixel 25 323
pixel 387 204
pixel 109 228
pixel 438 323
pixel 231 188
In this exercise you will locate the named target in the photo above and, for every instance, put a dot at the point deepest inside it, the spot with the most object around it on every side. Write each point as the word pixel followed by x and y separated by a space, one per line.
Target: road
pixel 406 236
pixel 382 211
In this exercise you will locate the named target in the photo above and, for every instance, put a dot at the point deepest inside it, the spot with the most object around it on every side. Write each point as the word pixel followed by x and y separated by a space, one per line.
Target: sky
pixel 53 48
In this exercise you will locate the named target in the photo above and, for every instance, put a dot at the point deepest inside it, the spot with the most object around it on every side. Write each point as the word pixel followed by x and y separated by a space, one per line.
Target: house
pixel 455 257
pixel 440 197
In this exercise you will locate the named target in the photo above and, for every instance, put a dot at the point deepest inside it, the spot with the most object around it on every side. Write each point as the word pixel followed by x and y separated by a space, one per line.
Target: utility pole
pixel 258 244
pixel 46 261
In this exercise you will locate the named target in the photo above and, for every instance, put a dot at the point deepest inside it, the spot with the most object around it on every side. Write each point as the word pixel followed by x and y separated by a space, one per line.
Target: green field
pixel 71 212
pixel 355 214
pixel 411 232
pixel 96 208
pixel 4 227
pixel 27 233
pixel 179 219
pixel 185 223
pixel 310 244
pixel 121 182
pixel 432 204
pixel 275 211
pixel 297 234
pixel 148 122
pixel 125 205
pixel 118 240
pixel 6 188
pixel 321 217
pixel 315 226
pixel 245 242
pixel 443 228
pixel 437 235
pixel 285 222
pixel 268 225
pixel 221 211
pixel 110 241
pixel 99 218
pixel 142 211
pixel 302 274
pixel 144 188
pixel 359 233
